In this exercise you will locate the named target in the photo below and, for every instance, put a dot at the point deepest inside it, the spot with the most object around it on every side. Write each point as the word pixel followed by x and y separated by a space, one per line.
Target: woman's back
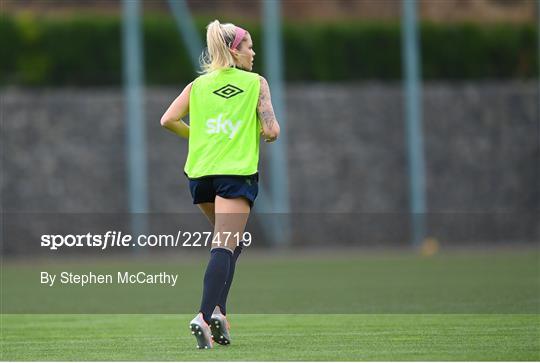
pixel 224 129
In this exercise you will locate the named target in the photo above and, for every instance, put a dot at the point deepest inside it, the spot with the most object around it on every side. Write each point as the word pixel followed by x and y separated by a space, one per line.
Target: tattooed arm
pixel 269 124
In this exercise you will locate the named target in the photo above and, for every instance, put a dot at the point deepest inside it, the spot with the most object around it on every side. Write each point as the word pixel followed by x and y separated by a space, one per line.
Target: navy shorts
pixel 205 189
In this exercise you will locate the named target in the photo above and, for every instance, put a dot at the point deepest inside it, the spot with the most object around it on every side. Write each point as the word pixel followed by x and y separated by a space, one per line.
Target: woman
pixel 229 108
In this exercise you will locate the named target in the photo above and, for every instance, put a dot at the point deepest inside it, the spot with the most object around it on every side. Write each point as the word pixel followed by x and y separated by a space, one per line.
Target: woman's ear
pixel 234 53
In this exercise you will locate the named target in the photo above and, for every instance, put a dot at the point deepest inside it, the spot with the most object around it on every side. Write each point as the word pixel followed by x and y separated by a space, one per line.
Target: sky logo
pixel 220 126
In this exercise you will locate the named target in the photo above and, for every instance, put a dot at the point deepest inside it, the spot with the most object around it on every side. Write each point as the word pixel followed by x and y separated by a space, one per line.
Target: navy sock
pixel 222 302
pixel 215 277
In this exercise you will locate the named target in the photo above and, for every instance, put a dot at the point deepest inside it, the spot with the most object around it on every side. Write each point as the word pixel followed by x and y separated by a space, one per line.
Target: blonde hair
pixel 219 38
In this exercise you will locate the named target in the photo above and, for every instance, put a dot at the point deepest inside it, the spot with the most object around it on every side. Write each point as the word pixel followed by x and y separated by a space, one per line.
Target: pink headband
pixel 240 33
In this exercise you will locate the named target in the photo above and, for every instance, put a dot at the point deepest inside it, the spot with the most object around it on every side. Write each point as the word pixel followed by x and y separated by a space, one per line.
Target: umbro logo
pixel 228 91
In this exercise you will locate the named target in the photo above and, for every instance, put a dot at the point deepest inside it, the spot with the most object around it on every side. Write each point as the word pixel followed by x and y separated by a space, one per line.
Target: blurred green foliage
pixel 87 50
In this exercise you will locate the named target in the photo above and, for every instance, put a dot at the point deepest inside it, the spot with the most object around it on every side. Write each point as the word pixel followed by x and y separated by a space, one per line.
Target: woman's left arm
pixel 172 118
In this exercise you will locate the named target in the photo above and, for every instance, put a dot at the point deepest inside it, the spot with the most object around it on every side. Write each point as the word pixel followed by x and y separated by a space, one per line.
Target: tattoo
pixel 264 107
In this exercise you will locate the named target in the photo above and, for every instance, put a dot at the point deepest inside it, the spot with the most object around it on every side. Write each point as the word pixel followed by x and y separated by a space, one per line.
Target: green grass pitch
pixel 274 337
pixel 464 305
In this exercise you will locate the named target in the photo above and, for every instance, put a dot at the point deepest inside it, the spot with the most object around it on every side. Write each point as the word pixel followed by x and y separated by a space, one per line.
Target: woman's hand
pixel 268 138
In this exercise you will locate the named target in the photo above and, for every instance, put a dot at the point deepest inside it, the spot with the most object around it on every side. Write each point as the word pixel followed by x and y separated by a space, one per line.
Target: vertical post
pixel 538 60
pixel 413 111
pixel 187 29
pixel 273 60
pixel 134 108
pixel 538 79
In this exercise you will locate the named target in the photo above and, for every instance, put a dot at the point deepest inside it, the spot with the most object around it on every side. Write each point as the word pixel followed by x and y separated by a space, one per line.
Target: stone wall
pixel 63 151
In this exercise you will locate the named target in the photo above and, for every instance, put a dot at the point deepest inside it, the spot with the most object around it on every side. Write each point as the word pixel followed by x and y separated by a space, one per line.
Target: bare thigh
pixel 209 211
pixel 231 216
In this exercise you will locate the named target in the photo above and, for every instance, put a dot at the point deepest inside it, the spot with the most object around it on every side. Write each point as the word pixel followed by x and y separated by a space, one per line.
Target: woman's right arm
pixel 172 118
pixel 269 124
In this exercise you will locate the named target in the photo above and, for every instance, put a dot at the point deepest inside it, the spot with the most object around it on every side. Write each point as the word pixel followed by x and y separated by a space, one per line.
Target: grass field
pixel 464 305
pixel 274 337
